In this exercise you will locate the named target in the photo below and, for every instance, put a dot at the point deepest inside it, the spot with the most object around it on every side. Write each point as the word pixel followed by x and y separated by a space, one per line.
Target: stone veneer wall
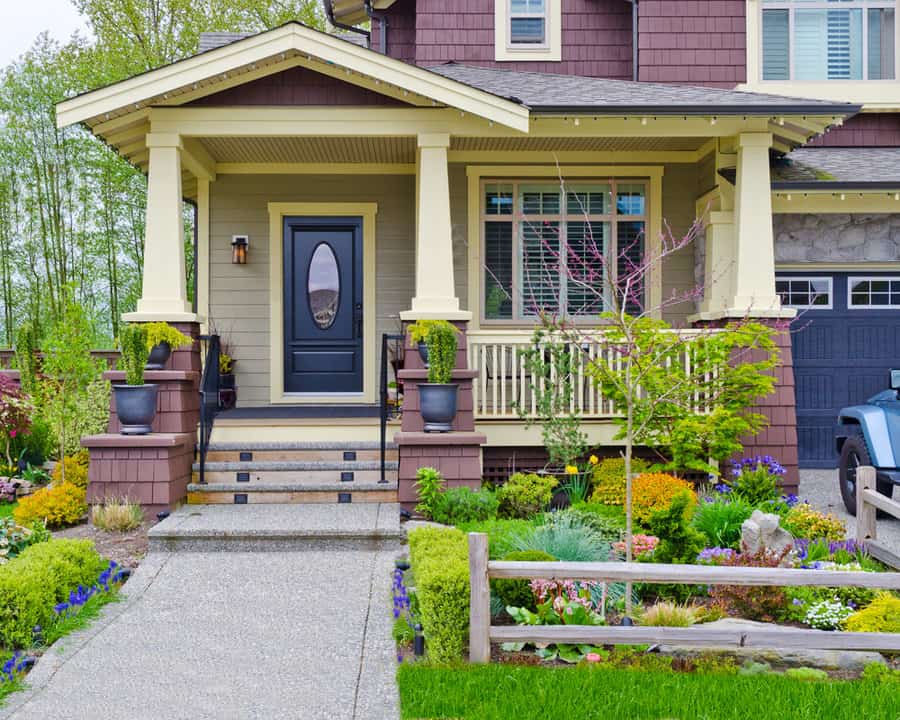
pixel 837 238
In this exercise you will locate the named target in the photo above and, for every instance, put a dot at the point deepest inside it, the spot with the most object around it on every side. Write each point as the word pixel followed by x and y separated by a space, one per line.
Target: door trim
pixel 277 212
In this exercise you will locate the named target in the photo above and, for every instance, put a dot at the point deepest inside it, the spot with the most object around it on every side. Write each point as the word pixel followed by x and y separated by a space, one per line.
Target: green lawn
pixel 508 692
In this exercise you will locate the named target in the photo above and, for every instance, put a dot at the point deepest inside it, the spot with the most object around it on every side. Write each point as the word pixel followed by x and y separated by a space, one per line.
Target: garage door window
pixel 805 292
pixel 874 293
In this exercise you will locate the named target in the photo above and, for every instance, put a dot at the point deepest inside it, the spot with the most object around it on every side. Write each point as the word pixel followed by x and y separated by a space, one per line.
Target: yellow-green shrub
pixel 524 495
pixel 652 492
pixel 39 578
pixel 76 469
pixel 57 506
pixel 440 565
pixel 882 615
pixel 609 479
pixel 804 522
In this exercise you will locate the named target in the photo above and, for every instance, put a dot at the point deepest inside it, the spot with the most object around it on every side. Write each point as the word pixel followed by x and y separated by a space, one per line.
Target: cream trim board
pixel 836 267
pixel 277 212
pixel 316 168
pixel 506 51
pixel 830 202
pixel 203 251
pixel 476 173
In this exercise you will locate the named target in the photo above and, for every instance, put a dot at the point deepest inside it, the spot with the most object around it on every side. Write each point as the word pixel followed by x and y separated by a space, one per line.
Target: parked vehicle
pixel 869 434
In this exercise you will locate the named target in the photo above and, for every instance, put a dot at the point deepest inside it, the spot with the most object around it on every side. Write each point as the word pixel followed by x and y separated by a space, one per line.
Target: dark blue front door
pixel 844 342
pixel 323 284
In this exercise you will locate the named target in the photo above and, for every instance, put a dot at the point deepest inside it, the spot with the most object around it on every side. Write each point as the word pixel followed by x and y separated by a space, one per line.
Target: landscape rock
pixel 762 531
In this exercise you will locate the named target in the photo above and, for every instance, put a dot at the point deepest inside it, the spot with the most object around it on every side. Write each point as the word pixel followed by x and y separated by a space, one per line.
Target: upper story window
pixel 528 30
pixel 828 39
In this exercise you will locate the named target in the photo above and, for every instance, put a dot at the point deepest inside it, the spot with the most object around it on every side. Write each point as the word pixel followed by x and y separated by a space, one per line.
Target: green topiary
pixel 806 673
pixel 429 483
pixel 882 615
pixel 462 504
pixel 440 565
pixel 418 331
pixel 525 495
pixel 161 332
pixel 442 344
pixel 517 593
pixel 609 479
pixel 679 541
pixel 133 344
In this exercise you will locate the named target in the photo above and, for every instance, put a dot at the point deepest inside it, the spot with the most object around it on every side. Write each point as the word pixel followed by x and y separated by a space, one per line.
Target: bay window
pixel 828 39
pixel 561 251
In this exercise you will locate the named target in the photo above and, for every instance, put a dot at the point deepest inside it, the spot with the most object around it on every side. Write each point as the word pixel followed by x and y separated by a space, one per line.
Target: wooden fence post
pixel 865 512
pixel 479 599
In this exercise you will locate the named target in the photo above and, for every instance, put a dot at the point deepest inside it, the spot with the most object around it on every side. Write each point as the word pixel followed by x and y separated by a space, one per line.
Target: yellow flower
pixel 593 460
pixel 571 470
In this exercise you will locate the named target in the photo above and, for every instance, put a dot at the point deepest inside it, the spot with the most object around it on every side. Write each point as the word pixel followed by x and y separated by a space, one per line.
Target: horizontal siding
pixel 679 199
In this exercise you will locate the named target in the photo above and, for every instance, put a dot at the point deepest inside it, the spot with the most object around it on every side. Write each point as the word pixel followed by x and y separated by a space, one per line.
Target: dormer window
pixel 828 40
pixel 527 23
pixel 528 30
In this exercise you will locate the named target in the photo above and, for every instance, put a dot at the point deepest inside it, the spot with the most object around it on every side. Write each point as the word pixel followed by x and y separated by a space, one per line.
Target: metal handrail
pixel 209 398
pixel 388 411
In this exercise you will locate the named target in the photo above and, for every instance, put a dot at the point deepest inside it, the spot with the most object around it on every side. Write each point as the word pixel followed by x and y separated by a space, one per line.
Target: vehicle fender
pixel 872 421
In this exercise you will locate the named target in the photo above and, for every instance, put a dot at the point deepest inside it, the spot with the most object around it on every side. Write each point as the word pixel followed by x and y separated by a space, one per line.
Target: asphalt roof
pixel 551 92
pixel 824 167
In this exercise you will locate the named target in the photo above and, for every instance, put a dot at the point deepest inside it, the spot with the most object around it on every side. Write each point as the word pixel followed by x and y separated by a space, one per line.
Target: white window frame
pixel 806 278
pixel 507 51
pixel 516 218
pixel 793 5
pixel 856 278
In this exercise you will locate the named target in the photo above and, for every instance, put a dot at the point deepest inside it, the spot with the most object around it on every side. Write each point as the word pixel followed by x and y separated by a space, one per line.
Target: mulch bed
pixel 127 548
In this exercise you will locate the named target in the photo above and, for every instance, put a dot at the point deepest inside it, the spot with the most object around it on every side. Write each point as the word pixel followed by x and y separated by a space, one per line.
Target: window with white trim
pixel 804 292
pixel 828 39
pixel 528 23
pixel 561 254
pixel 873 293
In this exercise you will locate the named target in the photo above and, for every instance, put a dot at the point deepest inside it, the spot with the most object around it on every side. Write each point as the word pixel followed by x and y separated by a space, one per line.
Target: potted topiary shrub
pixel 135 401
pixel 162 338
pixel 418 334
pixel 438 397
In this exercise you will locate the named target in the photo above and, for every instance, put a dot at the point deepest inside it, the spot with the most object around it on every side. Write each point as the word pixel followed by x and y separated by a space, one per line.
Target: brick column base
pixel 456 455
pixel 153 470
pixel 177 402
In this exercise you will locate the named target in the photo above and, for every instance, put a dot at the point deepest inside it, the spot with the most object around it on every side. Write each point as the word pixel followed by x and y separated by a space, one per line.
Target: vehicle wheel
pixel 854 454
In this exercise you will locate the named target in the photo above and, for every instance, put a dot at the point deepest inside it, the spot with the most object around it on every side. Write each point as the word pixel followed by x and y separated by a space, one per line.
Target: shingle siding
pixel 867 130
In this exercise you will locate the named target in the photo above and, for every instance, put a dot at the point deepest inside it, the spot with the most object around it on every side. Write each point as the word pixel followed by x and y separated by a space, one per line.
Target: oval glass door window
pixel 323 286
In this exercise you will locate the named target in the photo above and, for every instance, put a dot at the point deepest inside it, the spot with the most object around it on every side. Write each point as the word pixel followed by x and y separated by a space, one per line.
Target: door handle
pixel 358 319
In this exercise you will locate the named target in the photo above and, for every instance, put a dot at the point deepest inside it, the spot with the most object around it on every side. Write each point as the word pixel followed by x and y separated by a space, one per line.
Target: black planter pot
pixel 226 381
pixel 437 403
pixel 159 356
pixel 423 352
pixel 136 408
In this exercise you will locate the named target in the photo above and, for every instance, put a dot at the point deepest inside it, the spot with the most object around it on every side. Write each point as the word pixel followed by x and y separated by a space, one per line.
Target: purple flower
pixel 722 488
pixel 797 601
pixel 712 554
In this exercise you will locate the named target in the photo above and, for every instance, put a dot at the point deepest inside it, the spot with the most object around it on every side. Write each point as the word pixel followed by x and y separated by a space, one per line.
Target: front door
pixel 323 311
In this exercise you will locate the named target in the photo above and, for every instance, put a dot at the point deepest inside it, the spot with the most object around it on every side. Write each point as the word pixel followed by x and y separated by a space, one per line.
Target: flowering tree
pixel 15 415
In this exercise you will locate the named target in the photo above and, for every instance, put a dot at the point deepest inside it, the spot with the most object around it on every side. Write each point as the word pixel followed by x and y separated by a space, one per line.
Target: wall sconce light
pixel 239 245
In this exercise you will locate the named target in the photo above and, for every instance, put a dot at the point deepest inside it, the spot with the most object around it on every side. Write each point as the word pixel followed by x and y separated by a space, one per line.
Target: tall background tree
pixel 71 211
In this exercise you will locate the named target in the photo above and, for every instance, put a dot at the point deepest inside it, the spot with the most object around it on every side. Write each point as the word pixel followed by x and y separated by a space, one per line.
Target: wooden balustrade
pixel 110 357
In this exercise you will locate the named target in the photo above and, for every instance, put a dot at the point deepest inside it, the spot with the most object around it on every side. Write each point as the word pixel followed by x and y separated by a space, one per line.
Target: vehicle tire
pixel 854 454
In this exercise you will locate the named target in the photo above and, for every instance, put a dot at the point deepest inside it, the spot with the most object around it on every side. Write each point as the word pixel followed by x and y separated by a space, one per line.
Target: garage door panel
pixel 815 436
pixel 815 341
pixel 814 390
pixel 871 341
pixel 862 386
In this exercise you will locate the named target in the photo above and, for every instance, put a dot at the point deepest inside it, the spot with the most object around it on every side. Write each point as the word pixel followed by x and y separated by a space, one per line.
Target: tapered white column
pixel 164 292
pixel 435 296
pixel 753 276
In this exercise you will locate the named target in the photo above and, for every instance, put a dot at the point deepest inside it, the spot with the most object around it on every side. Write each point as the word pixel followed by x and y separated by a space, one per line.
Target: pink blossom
pixel 592 657
pixel 13 433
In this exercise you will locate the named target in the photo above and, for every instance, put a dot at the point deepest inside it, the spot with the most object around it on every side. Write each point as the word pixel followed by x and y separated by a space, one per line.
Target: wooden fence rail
pixel 110 357
pixel 868 502
pixel 481 632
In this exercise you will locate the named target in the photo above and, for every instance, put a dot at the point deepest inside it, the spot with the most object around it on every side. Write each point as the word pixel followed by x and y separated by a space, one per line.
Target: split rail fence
pixel 868 502
pixel 482 633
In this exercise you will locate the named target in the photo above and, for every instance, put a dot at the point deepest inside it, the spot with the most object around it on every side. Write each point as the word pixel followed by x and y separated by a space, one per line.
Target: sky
pixel 22 20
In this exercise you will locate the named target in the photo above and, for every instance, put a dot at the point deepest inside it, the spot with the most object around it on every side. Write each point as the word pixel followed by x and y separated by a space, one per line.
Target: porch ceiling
pixel 584 144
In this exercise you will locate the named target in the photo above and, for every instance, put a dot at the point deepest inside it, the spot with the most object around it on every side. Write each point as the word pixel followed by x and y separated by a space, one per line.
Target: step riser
pixel 270 498
pixel 333 456
pixel 295 477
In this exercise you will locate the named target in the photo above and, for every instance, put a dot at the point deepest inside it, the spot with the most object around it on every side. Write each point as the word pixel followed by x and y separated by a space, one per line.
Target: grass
pixel 6 509
pixel 117 515
pixel 510 692
pixel 71 622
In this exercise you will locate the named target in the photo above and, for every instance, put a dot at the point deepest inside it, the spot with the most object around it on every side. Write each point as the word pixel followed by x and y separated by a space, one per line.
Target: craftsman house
pixel 347 184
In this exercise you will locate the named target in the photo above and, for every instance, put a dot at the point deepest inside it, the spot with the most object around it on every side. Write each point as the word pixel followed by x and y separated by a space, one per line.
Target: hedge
pixel 440 564
pixel 34 582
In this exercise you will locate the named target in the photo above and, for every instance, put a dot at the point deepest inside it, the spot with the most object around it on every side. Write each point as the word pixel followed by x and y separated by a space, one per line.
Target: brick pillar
pixel 456 454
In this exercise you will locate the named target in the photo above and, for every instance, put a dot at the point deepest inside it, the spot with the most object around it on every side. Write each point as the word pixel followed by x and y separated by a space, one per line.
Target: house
pixel 382 176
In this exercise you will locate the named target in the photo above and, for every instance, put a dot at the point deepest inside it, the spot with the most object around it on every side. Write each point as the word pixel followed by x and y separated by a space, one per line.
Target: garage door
pixel 844 342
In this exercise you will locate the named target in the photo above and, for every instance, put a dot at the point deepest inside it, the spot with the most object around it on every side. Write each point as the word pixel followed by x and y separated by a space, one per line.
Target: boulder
pixel 762 531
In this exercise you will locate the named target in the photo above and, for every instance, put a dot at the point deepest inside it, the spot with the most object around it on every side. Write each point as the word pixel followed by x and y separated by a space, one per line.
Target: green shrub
pixel 76 470
pixel 56 506
pixel 517 593
pixel 609 479
pixel 565 538
pixel 755 483
pixel 440 563
pixel 608 520
pixel 807 674
pixel 882 615
pixel 15 538
pixel 501 532
pixel 133 343
pixel 679 541
pixel 162 332
pixel 429 483
pixel 720 521
pixel 462 504
pixel 40 577
pixel 442 344
pixel 524 495
pixel 803 521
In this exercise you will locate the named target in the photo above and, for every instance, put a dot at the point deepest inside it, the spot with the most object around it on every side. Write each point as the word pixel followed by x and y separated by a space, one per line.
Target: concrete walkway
pixel 300 633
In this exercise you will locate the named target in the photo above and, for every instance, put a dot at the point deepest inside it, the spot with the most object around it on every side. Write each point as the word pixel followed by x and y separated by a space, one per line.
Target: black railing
pixel 209 398
pixel 391 402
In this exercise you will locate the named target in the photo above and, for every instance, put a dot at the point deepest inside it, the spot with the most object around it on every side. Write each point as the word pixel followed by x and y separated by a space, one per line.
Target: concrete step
pixel 300 455
pixel 274 473
pixel 224 527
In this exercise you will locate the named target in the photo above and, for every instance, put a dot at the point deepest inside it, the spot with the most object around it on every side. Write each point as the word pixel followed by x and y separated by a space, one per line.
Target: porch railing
pixel 209 398
pixel 505 383
pixel 391 357
pixel 110 357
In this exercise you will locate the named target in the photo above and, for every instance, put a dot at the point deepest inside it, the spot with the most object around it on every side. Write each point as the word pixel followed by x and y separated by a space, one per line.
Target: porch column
pixel 164 295
pixel 435 296
pixel 718 255
pixel 753 271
